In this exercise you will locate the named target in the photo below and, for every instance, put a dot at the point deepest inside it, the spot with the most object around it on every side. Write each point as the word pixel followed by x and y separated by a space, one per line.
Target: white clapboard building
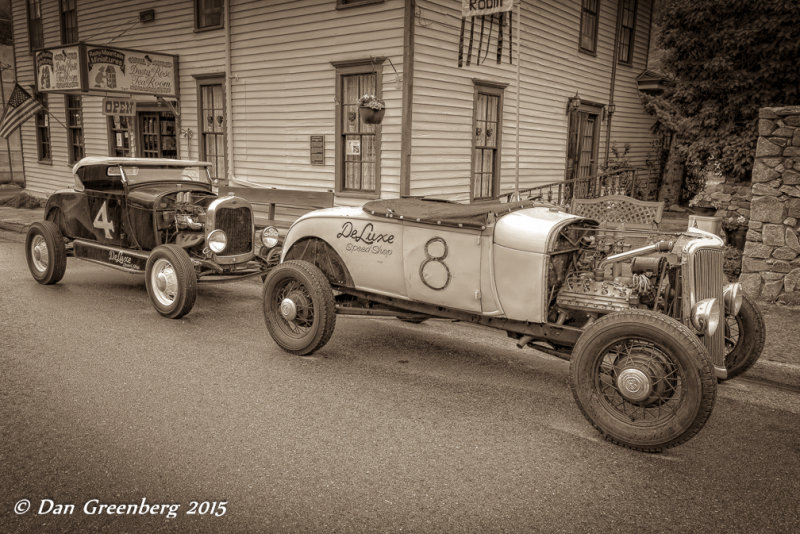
pixel 477 103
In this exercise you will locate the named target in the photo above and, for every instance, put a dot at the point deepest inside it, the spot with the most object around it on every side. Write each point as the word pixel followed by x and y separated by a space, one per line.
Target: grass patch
pixel 23 200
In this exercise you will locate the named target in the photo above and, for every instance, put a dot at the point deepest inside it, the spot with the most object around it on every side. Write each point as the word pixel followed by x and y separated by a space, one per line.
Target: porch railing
pixel 629 181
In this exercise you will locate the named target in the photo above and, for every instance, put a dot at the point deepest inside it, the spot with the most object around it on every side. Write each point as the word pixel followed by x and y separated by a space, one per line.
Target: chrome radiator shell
pixel 234 216
pixel 703 277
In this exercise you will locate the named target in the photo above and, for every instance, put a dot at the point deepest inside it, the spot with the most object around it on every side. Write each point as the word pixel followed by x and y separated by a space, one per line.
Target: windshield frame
pixel 204 176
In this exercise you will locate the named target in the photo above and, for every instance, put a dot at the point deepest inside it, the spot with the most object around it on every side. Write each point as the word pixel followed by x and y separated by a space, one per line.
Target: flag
pixel 21 107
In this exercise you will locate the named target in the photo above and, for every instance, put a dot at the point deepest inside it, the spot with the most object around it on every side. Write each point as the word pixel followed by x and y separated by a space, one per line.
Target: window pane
pixel 209 13
pixel 486 142
pixel 350 115
pixel 588 37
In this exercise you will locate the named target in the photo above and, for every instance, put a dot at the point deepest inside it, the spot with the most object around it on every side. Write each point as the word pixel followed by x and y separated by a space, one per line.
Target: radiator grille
pixel 237 223
pixel 708 283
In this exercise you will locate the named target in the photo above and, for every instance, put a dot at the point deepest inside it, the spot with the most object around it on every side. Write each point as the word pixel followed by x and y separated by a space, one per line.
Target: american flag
pixel 21 107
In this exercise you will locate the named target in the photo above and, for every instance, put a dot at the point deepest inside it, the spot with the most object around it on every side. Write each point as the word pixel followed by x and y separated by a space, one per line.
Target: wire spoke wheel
pixel 733 326
pixel 745 335
pixel 299 311
pixel 296 307
pixel 642 379
pixel 639 382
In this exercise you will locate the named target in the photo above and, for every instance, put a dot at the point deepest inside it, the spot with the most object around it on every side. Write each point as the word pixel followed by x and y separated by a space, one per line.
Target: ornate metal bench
pixel 623 217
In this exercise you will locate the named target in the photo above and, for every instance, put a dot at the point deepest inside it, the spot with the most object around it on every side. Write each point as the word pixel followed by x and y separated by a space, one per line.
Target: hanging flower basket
pixel 372 109
pixel 372 116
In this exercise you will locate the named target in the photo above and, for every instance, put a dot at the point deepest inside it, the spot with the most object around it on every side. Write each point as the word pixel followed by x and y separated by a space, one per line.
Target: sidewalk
pixel 780 362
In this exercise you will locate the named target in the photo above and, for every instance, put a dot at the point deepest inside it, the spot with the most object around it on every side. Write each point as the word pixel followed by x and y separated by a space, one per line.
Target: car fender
pixel 371 247
pixel 74 208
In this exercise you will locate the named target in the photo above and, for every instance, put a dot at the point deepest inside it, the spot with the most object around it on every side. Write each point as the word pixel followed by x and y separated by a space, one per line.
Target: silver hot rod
pixel 648 330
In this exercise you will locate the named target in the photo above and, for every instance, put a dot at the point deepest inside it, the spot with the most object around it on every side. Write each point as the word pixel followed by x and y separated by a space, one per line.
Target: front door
pixel 582 151
pixel 157 134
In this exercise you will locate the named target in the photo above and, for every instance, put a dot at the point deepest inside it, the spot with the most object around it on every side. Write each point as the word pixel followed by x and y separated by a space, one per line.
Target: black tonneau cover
pixel 444 212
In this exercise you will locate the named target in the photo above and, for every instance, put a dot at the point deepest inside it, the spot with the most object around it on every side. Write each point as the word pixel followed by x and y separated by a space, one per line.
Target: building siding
pixel 283 86
pixel 552 70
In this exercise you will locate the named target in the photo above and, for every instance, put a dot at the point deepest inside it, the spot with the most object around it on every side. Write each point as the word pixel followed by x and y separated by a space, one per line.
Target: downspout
pixel 228 94
pixel 611 104
pixel 408 97
pixel 519 95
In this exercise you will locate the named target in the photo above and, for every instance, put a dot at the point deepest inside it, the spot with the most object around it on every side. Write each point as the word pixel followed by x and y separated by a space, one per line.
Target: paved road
pixel 392 427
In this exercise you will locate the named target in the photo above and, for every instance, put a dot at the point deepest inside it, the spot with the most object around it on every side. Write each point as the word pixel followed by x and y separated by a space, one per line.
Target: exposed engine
pixel 591 276
pixel 181 217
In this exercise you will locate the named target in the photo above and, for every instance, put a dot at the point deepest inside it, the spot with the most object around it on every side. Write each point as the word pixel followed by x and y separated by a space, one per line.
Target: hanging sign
pixel 131 71
pixel 58 69
pixel 106 69
pixel 474 8
pixel 124 107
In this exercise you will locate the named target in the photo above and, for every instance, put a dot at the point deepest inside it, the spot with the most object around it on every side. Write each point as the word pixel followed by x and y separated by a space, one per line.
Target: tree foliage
pixel 725 59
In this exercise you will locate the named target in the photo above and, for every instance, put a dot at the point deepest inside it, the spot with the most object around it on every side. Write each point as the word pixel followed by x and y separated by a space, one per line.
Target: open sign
pixel 119 106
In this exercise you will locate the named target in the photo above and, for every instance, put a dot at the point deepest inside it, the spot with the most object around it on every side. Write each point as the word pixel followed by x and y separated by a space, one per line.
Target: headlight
pixel 705 316
pixel 270 236
pixel 217 241
pixel 732 295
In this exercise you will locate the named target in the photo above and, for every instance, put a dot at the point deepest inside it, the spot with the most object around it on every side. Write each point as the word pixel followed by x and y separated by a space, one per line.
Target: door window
pixel 158 134
pixel 582 150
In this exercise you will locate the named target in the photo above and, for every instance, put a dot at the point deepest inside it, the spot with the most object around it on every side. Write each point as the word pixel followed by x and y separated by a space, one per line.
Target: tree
pixel 724 59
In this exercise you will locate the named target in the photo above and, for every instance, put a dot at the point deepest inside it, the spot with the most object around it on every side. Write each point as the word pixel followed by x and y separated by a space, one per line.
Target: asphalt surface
pixel 439 427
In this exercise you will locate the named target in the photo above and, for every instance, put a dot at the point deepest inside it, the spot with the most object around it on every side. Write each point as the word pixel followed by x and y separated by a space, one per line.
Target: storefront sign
pixel 131 71
pixel 474 8
pixel 119 106
pixel 58 69
pixel 105 69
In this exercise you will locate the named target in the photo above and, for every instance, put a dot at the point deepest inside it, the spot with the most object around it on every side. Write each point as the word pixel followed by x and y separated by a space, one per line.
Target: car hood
pixel 532 229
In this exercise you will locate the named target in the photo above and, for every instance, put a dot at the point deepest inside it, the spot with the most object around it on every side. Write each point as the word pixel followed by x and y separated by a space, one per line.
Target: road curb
pixel 772 371
pixel 14 226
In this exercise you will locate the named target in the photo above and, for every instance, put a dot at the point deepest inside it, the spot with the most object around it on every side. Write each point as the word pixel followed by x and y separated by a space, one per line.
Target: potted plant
pixel 736 230
pixel 372 109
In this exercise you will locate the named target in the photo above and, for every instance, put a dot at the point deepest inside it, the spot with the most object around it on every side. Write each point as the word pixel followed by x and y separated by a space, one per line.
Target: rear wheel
pixel 643 380
pixel 45 252
pixel 299 310
pixel 745 334
pixel 171 281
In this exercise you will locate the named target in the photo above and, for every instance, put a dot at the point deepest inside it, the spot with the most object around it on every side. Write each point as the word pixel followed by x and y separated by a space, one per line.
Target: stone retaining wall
pixel 771 262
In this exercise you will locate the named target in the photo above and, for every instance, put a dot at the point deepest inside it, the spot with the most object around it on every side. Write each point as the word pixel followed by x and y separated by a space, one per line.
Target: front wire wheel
pixel 299 310
pixel 643 380
pixel 745 335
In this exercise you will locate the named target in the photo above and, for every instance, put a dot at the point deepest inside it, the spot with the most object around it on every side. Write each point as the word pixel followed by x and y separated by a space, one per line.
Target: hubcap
pixel 288 309
pixel 634 385
pixel 165 282
pixel 39 253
